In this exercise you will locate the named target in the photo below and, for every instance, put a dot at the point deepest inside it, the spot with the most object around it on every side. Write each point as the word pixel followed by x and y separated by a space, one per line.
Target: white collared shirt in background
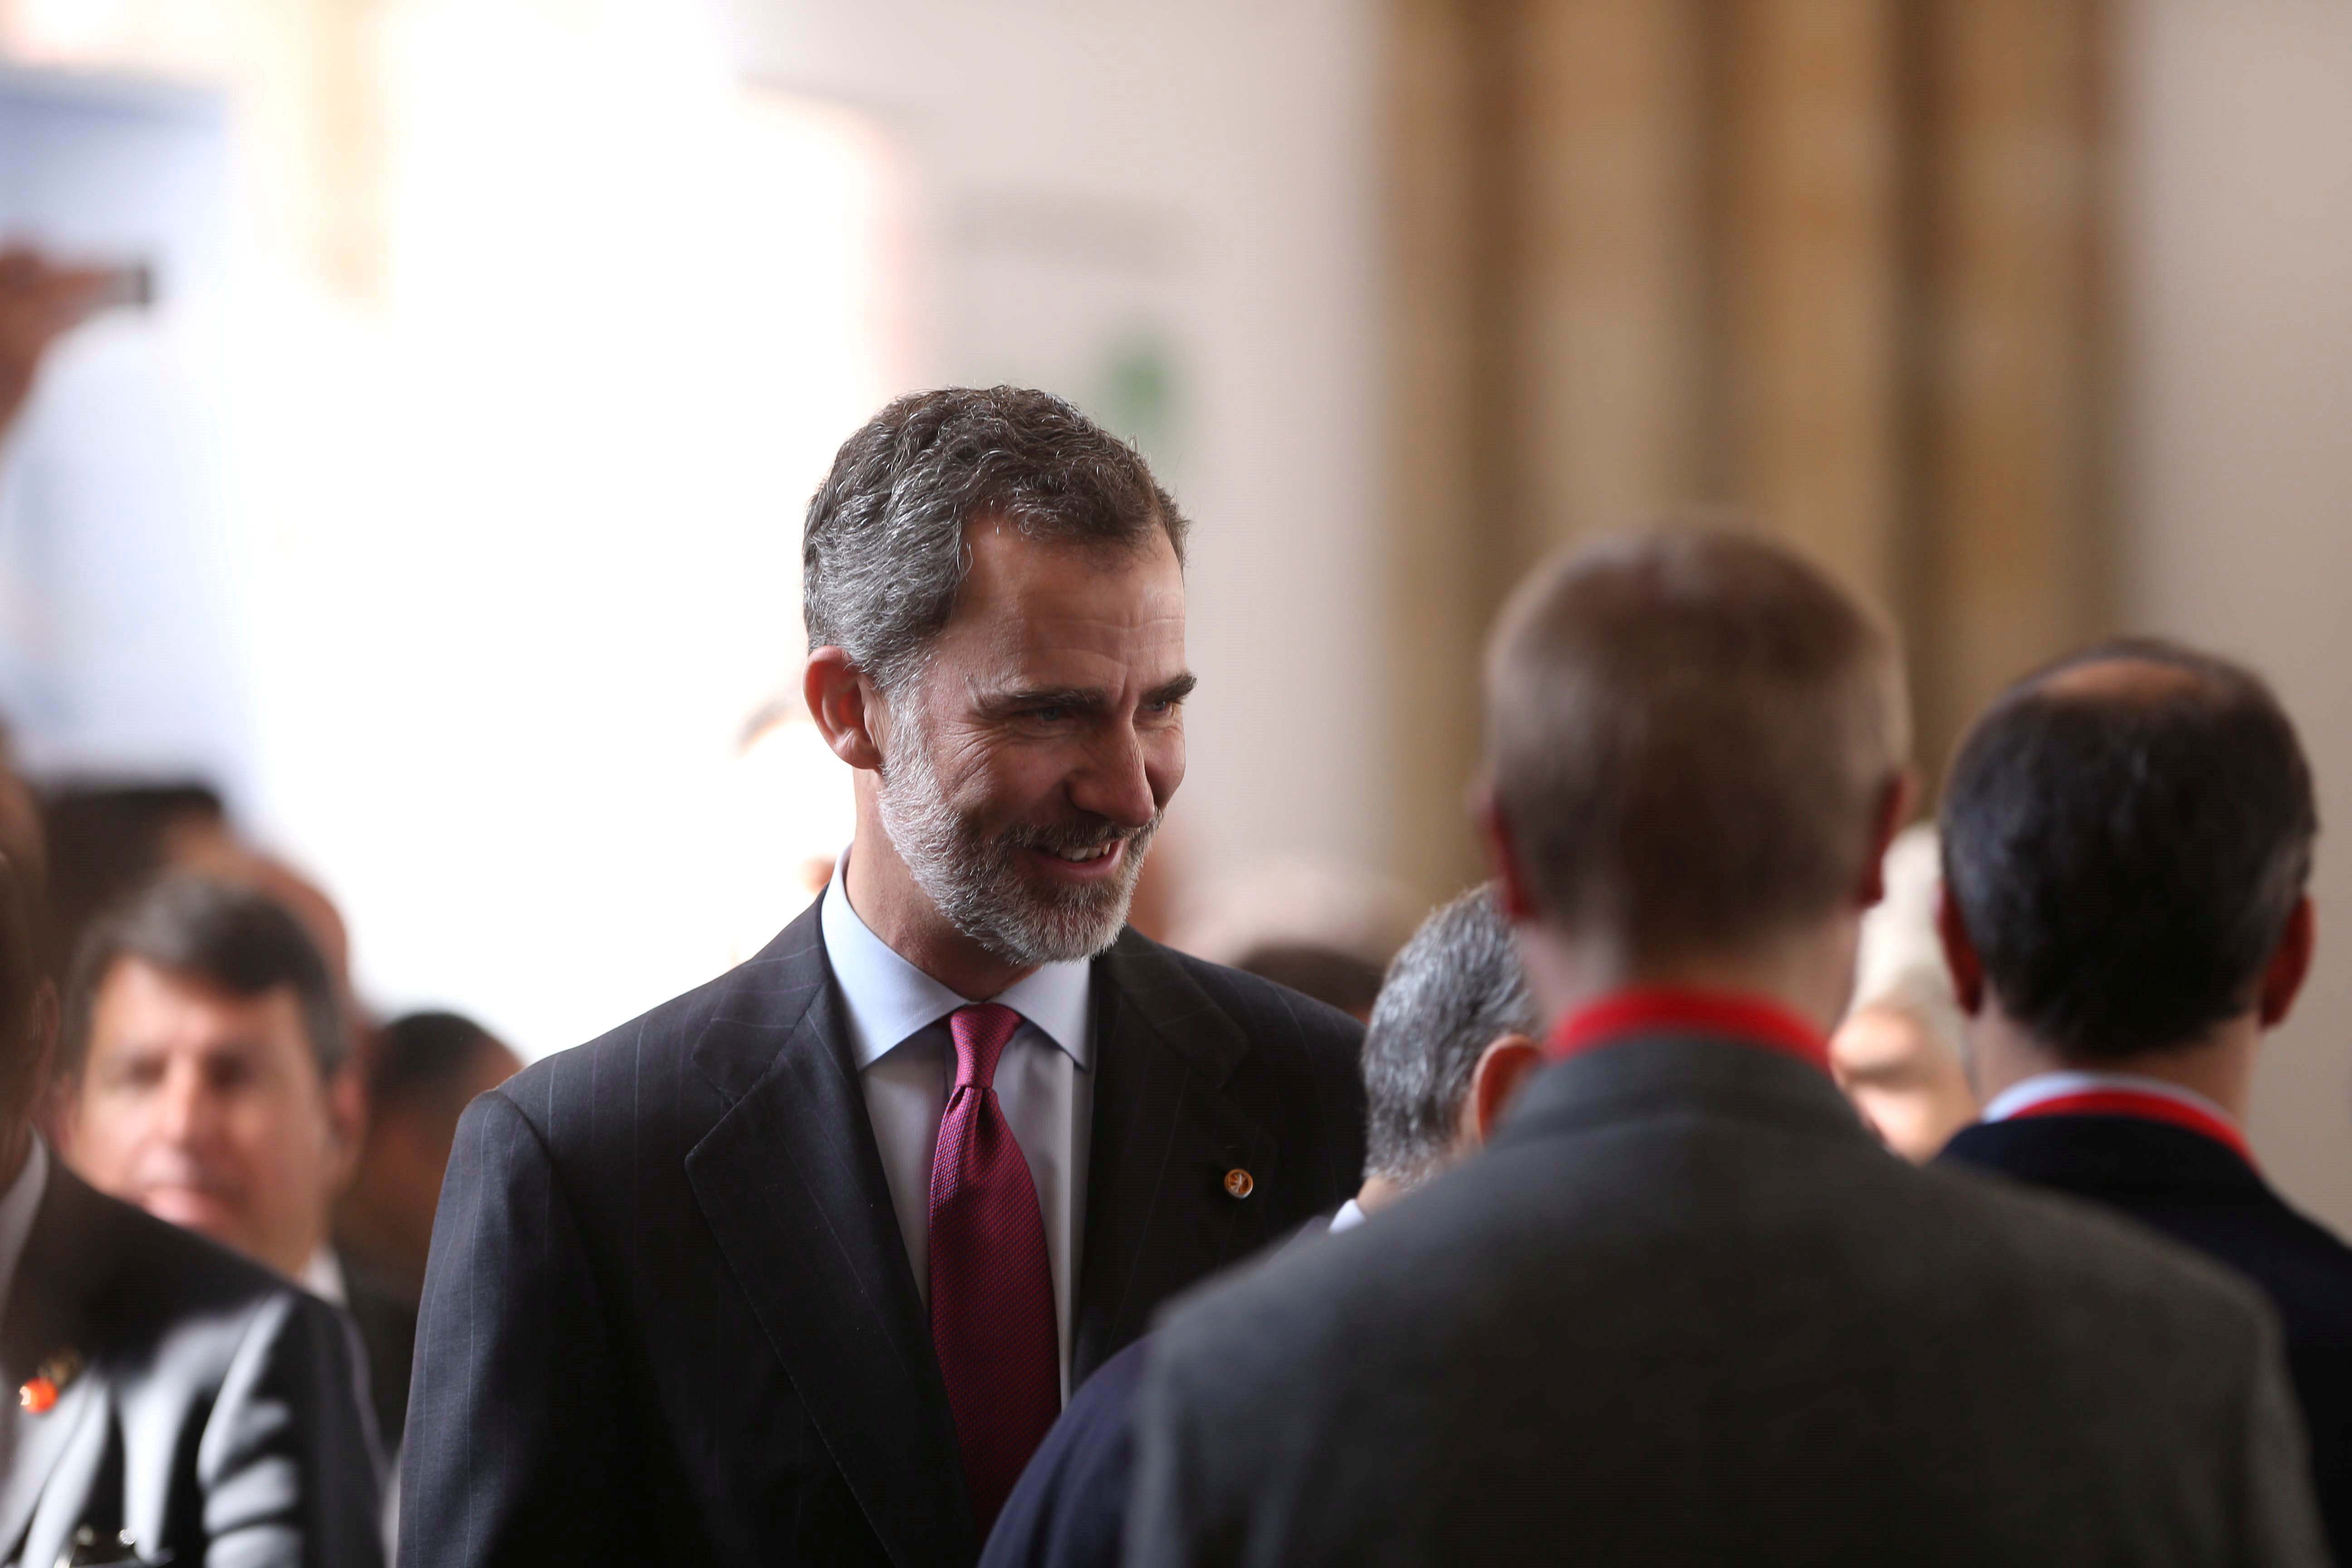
pixel 2027 1094
pixel 1348 1217
pixel 16 1212
pixel 323 1278
pixel 906 1063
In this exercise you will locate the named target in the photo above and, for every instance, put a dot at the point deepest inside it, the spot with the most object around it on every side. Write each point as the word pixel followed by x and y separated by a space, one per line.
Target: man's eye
pixel 1051 713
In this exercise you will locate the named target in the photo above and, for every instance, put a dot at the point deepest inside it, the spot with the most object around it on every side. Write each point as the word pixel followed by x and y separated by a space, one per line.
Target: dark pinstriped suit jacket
pixel 669 1317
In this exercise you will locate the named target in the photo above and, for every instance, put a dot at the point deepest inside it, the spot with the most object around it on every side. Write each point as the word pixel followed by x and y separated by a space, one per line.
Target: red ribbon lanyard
pixel 2144 1106
pixel 1747 1020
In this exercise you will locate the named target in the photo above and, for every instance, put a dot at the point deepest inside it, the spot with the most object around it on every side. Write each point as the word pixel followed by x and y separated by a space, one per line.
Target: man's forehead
pixel 1031 602
pixel 136 991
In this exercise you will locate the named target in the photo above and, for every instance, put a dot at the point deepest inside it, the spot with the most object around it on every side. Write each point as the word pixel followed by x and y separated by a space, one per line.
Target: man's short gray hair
pixel 1453 990
pixel 883 552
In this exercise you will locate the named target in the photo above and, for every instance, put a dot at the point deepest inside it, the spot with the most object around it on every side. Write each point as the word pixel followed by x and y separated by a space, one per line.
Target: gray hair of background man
pixel 1451 992
pixel 883 551
pixel 223 933
pixel 1688 735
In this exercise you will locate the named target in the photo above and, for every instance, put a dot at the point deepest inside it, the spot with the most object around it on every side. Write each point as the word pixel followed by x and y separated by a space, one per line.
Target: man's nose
pixel 1117 783
pixel 187 1112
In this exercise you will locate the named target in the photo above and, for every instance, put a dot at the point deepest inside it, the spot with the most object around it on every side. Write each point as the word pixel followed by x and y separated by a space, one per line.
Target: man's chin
pixel 194 1208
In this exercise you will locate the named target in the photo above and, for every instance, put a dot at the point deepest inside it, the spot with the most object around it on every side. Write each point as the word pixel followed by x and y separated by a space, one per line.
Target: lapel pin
pixel 1238 1182
pixel 38 1393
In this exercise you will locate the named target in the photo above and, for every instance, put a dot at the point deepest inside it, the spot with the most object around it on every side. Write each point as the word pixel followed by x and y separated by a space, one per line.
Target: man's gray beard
pixel 978 883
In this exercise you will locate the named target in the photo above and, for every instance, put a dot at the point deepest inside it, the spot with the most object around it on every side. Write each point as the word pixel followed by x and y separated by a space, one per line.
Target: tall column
pixel 2010 461
pixel 1812 284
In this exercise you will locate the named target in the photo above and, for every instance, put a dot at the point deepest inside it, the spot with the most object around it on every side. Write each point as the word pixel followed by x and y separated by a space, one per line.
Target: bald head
pixel 2126 835
pixel 1690 738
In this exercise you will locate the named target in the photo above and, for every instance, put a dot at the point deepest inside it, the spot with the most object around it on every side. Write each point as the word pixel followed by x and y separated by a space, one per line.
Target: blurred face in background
pixel 1908 1084
pixel 208 1109
pixel 1027 766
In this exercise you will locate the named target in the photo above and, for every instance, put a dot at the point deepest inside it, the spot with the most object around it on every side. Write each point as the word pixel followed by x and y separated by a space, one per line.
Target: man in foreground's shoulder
pixel 1684 1309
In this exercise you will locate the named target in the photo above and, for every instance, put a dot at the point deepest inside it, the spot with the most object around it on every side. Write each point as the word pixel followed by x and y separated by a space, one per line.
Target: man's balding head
pixel 1692 737
pixel 2126 835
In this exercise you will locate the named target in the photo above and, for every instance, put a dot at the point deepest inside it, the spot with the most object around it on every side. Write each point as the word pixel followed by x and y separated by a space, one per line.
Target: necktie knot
pixel 981 1033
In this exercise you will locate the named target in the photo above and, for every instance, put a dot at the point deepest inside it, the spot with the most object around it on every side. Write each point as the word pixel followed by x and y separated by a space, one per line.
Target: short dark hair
pixel 883 553
pixel 1452 990
pixel 1687 733
pixel 425 1057
pixel 226 935
pixel 21 980
pixel 2124 853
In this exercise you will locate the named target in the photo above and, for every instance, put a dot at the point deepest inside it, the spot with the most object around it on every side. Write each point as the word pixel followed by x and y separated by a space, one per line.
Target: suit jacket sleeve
pixel 287 1471
pixel 1176 1514
pixel 2282 1524
pixel 515 1449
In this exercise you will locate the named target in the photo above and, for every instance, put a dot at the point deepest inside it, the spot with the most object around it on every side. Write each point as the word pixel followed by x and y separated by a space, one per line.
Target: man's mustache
pixel 1072 838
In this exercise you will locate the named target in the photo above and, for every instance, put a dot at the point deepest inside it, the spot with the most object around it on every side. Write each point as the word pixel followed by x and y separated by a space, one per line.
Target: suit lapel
pixel 791 1183
pixel 1165 1133
pixel 47 1316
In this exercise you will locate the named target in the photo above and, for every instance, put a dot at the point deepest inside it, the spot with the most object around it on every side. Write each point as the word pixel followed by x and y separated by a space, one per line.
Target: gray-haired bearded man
pixel 798 1267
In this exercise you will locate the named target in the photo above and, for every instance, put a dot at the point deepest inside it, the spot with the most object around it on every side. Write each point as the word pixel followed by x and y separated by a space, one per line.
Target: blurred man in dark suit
pixel 171 1401
pixel 1684 1309
pixel 797 1268
pixel 1451 1040
pixel 2128 838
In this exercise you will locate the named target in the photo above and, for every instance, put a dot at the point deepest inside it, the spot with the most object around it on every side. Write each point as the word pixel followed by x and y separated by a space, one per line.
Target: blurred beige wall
pixel 2234 135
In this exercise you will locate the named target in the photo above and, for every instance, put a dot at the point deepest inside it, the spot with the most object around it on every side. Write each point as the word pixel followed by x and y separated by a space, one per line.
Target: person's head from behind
pixel 994 593
pixel 1451 1039
pixel 426 1069
pixel 1695 759
pixel 202 1040
pixel 2127 835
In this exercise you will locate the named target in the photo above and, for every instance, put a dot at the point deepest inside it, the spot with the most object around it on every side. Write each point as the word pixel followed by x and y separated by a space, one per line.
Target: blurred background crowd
pixel 407 529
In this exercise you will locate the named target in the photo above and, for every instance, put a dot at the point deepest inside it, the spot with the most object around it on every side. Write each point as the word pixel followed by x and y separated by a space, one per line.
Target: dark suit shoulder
pixel 1252 1000
pixel 136 1275
pixel 645 1071
pixel 2071 1246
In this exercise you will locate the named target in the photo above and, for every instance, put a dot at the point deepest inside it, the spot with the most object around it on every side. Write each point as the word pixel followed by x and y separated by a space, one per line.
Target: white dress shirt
pixel 2041 1087
pixel 906 1062
pixel 16 1212
pixel 1349 1215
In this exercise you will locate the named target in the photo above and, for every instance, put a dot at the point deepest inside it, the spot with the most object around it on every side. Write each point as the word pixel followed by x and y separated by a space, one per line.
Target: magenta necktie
pixel 991 1286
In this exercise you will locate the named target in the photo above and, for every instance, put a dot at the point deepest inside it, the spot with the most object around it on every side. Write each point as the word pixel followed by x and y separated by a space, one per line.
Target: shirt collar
pixel 1351 1216
pixel 323 1278
pixel 889 1000
pixel 17 1209
pixel 1664 1010
pixel 2124 1094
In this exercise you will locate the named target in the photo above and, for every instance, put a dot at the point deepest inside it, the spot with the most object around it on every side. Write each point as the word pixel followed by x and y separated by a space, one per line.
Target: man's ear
pixel 1503 1067
pixel 841 701
pixel 1960 952
pixel 2290 963
pixel 1895 802
pixel 1502 854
